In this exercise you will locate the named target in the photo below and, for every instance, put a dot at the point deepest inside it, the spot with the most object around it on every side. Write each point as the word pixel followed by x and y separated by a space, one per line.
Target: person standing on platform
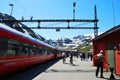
pixel 99 59
pixel 90 54
pixel 83 56
pixel 64 57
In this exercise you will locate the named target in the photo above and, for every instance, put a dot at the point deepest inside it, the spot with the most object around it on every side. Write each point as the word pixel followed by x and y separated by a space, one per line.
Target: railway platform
pixel 80 70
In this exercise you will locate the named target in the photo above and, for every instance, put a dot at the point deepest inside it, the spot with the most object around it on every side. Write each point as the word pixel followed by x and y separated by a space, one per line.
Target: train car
pixel 18 50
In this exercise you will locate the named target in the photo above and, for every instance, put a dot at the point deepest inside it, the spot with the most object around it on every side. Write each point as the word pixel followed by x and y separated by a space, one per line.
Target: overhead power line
pixel 21 6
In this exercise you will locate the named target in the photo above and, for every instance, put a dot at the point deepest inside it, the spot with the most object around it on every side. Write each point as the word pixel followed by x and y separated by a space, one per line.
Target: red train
pixel 18 50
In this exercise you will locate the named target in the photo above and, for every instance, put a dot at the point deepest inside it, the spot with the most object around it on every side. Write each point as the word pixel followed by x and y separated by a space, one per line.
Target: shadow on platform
pixel 108 78
pixel 69 71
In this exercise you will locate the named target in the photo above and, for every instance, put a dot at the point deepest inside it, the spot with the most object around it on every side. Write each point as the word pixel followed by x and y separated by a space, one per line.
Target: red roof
pixel 110 31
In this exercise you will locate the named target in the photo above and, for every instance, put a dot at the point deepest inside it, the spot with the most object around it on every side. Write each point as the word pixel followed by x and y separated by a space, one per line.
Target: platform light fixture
pixel 11 9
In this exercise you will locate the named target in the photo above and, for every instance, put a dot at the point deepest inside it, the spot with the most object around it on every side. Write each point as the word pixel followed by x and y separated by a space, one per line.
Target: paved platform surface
pixel 81 70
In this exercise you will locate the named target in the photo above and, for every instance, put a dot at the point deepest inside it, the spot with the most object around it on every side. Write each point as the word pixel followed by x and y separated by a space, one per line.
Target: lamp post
pixel 11 14
pixel 11 9
pixel 74 4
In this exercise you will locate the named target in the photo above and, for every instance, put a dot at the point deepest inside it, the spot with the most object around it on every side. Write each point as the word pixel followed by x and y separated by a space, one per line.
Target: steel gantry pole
pixel 74 4
pixel 95 23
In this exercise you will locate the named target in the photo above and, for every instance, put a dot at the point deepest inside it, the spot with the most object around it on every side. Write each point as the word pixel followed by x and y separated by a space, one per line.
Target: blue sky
pixel 63 9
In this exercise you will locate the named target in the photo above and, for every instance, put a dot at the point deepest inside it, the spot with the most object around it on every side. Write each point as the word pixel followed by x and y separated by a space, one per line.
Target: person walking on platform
pixel 71 58
pixel 81 56
pixel 64 57
pixel 99 60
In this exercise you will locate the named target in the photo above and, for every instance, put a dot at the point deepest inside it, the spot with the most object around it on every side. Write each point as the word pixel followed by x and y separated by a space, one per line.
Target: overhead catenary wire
pixel 53 24
pixel 85 23
pixel 21 6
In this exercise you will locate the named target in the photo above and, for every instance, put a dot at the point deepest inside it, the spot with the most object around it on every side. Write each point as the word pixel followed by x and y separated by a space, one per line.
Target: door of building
pixel 110 56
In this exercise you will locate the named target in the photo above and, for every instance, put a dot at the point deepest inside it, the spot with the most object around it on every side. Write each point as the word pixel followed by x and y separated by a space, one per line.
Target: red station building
pixel 109 42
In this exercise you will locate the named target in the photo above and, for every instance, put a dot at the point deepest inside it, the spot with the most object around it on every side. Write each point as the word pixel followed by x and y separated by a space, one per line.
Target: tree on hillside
pixel 84 48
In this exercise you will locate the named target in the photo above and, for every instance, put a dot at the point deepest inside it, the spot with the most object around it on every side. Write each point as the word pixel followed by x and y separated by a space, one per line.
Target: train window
pixel 11 52
pixel 50 51
pixel 16 48
pixel 44 51
pixel 3 46
pixel 20 50
pixel 31 50
pixel 13 47
pixel 40 51
pixel 23 48
pixel 37 50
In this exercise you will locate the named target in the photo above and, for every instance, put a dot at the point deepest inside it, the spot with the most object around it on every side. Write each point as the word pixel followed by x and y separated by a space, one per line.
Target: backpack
pixel 98 58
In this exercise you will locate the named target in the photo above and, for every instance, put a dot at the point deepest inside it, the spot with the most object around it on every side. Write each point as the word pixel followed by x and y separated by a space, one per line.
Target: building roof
pixel 108 32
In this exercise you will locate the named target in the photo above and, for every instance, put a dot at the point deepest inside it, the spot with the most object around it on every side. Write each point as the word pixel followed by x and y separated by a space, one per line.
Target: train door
pixel 110 56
